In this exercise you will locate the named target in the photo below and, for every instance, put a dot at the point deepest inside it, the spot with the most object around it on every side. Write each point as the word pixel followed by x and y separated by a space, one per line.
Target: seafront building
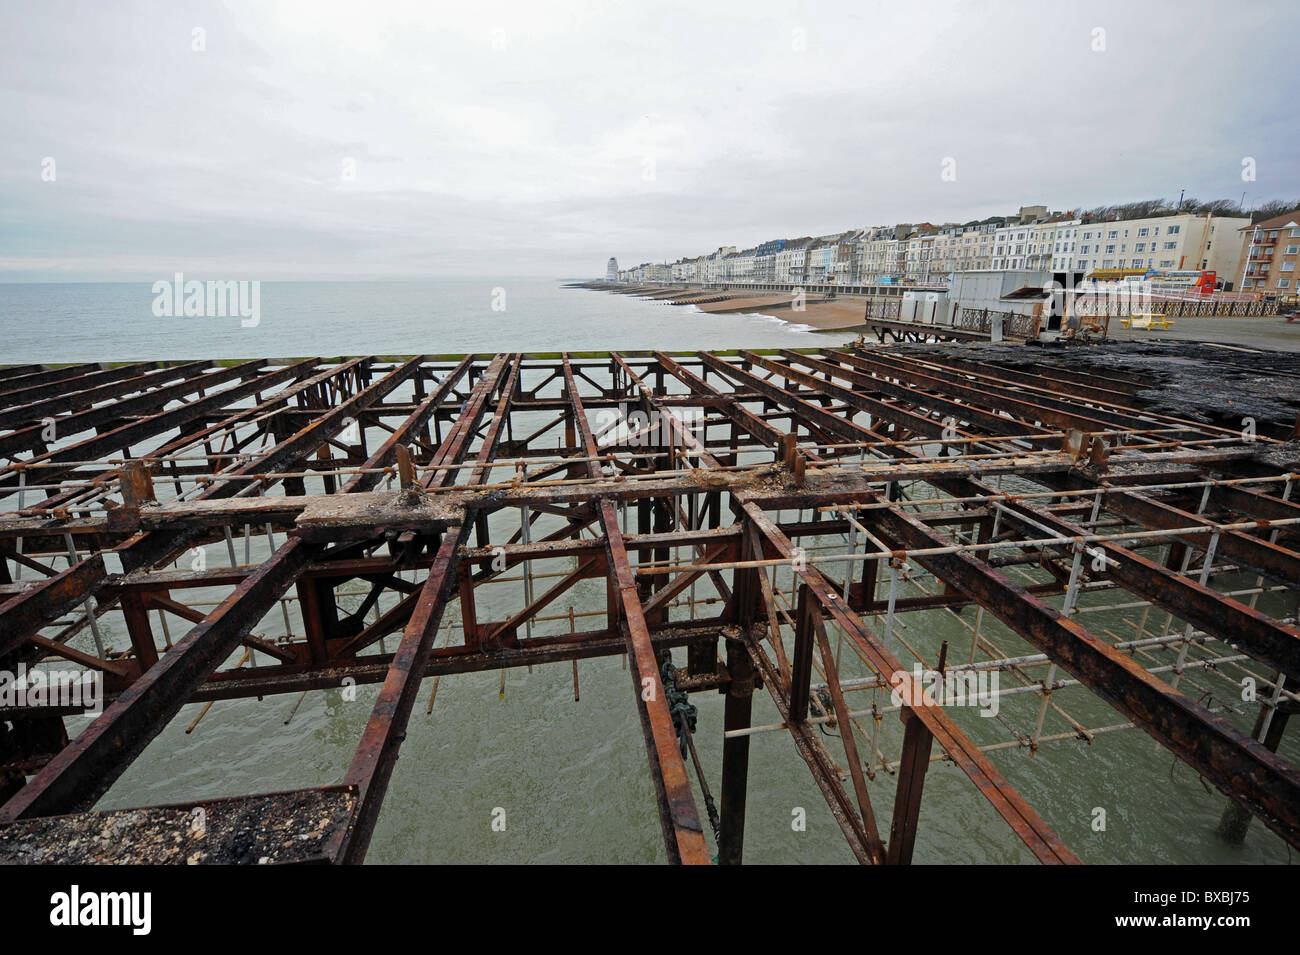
pixel 1268 253
pixel 1183 241
pixel 1034 239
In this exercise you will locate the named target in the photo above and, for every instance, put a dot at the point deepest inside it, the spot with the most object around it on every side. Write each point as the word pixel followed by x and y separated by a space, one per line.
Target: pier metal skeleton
pixel 819 498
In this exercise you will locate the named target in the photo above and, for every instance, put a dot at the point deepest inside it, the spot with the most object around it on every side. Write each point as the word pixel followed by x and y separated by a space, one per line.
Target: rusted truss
pixel 818 499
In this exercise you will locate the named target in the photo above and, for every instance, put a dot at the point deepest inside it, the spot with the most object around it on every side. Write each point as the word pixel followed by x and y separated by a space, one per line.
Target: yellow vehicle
pixel 1116 275
pixel 1147 320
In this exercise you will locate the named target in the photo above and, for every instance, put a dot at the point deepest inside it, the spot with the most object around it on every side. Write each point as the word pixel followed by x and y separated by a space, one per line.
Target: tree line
pixel 1147 208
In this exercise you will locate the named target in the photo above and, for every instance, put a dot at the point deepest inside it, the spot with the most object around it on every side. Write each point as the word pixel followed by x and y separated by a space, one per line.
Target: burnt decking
pixel 424 479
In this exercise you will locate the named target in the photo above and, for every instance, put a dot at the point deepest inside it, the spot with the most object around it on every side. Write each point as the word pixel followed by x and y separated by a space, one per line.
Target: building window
pixel 1287 267
pixel 1140 247
pixel 1283 283
pixel 1170 246
pixel 1143 231
pixel 1173 230
pixel 1110 250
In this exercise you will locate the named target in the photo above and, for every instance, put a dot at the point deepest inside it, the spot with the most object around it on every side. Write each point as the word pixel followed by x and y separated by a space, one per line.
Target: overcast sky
pixel 410 139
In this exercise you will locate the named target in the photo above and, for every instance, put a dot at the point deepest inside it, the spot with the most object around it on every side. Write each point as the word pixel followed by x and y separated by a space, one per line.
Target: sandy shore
pixel 823 316
pixel 817 313
pixel 766 304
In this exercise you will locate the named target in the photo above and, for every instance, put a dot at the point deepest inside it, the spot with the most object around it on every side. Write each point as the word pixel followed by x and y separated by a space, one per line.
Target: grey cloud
pixel 527 157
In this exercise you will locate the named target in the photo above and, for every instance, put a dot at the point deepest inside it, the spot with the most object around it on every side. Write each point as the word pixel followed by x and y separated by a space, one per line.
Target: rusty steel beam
pixel 737 712
pixel 991 392
pixel 1267 640
pixel 917 742
pixel 11 372
pixel 806 411
pixel 86 768
pixel 815 397
pixel 89 765
pixel 976 414
pixel 75 394
pixel 17 378
pixel 683 834
pixel 192 436
pixel 917 386
pixel 1259 555
pixel 372 765
pixel 1027 824
pixel 730 405
pixel 1106 394
pixel 373 668
pixel 23 615
pixel 149 392
pixel 1238 765
pixel 114 440
pixel 146 549
pixel 1032 830
pixel 1175 720
pixel 1257 504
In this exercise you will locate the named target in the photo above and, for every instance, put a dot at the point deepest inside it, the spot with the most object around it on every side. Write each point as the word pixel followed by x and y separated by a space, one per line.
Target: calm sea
pixel 116 322
pixel 571 777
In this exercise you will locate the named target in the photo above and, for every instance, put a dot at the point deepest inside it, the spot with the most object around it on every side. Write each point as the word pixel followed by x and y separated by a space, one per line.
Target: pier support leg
pixel 137 625
pixel 801 677
pixel 917 741
pixel 313 596
pixel 1236 818
pixel 735 754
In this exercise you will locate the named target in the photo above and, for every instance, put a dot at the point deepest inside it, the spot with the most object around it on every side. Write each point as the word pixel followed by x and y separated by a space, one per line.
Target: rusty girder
pixel 833 436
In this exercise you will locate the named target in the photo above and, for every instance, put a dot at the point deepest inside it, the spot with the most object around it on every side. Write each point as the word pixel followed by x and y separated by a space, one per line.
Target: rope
pixel 684 714
pixel 684 717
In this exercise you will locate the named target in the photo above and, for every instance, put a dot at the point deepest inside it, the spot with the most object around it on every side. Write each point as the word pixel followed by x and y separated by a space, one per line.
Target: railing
pixel 973 319
pixel 964 318
pixel 1176 308
pixel 888 310
pixel 1014 324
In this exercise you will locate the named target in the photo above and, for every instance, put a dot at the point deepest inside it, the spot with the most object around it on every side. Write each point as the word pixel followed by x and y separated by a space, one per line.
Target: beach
pixel 816 313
